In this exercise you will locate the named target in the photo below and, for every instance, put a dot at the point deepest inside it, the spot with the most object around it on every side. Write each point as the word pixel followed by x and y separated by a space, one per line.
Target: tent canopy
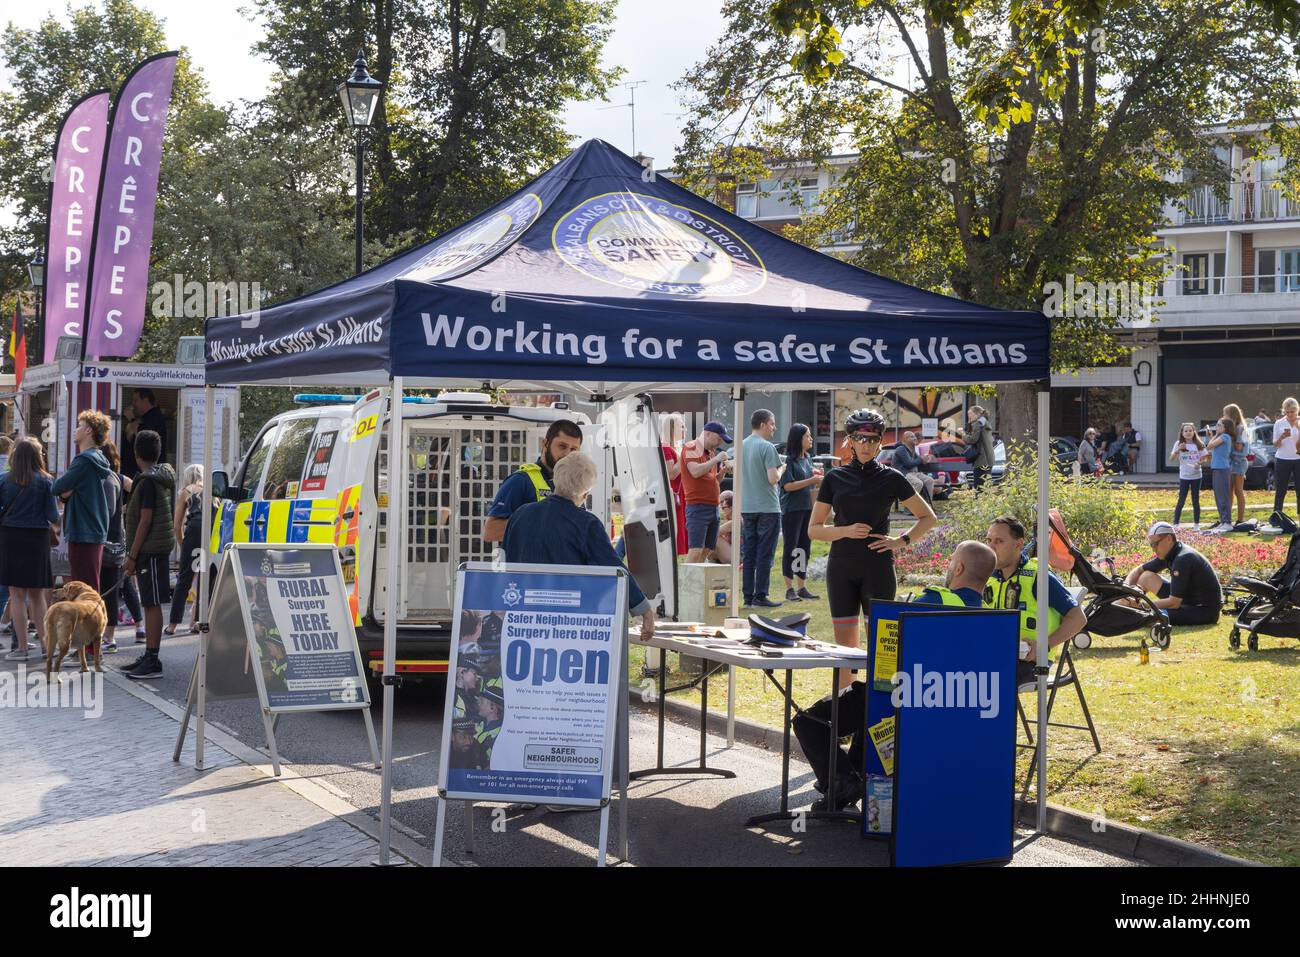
pixel 599 276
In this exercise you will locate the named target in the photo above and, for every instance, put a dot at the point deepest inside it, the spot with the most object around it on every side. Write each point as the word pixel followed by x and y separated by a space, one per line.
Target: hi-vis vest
pixel 534 473
pixel 1027 576
pixel 947 596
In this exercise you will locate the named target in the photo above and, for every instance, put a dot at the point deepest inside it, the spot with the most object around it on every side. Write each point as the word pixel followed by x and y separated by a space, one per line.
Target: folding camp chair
pixel 1066 674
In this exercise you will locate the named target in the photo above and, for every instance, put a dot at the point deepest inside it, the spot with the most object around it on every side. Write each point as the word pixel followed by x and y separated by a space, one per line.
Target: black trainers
pixel 149 668
pixel 847 794
pixel 806 595
pixel 764 602
pixel 791 595
pixel 135 665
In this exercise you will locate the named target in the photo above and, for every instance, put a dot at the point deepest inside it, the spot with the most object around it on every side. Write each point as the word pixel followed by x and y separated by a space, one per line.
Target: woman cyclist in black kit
pixel 860 569
pixel 862 494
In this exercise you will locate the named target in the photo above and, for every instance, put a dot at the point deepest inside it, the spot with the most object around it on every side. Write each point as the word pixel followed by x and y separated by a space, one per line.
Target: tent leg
pixel 1044 453
pixel 738 415
pixel 396 460
pixel 210 426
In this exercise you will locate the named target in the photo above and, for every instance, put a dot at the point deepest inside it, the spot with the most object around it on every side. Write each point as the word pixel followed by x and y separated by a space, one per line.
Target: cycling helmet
pixel 865 420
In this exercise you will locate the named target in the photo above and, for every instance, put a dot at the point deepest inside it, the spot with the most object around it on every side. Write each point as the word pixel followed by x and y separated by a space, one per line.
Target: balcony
pixel 1252 300
pixel 1245 202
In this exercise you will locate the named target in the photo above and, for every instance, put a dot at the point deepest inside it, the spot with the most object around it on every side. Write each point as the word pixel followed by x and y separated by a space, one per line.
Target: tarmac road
pixel 677 821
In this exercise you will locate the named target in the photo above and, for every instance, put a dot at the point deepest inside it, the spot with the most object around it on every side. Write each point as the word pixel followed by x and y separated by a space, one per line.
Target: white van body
pixel 320 473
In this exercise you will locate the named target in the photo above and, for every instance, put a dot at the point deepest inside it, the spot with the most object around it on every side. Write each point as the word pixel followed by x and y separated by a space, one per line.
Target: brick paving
pixel 104 791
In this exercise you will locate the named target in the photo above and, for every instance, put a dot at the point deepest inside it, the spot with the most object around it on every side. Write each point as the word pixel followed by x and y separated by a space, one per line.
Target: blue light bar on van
pixel 312 398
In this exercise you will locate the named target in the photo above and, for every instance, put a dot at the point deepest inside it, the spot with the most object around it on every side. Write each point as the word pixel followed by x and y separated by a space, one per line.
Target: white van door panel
pixel 630 436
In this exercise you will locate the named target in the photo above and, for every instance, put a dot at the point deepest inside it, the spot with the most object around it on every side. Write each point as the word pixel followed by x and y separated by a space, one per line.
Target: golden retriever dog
pixel 75 620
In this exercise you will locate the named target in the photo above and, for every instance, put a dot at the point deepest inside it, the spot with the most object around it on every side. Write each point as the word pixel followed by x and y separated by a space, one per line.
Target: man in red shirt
pixel 700 466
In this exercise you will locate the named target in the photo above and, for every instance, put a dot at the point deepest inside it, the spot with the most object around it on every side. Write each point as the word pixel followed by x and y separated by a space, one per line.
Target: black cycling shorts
pixel 851 585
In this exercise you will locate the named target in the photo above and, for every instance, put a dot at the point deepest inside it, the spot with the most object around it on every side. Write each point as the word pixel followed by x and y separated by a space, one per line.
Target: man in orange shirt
pixel 700 466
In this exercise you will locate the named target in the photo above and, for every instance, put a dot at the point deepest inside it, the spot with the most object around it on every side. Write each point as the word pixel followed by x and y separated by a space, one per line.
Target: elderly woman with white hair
pixel 559 531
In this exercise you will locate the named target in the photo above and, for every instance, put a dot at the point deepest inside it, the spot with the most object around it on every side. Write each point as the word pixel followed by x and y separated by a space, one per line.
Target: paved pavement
pixel 107 790
pixel 95 791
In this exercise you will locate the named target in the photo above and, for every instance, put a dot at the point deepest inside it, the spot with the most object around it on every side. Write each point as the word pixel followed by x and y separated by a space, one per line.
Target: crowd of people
pixel 120 521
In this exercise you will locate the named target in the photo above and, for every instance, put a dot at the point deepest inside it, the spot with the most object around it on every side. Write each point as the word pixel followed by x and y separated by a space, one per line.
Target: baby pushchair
pixel 1108 608
pixel 1273 606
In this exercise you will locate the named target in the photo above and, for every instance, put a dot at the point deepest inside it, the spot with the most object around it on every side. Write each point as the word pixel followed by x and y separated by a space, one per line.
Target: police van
pixel 320 474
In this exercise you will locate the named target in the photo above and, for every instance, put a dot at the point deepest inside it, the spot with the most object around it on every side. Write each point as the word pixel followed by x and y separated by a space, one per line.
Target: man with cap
pixel 532 482
pixel 491 703
pixel 275 661
pixel 968 572
pixel 469 677
pixel 1014 585
pixel 701 463
pixel 465 750
pixel 1191 595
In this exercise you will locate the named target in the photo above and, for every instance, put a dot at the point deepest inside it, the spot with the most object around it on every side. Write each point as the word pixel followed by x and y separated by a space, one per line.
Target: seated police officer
pixel 1191 595
pixel 968 572
pixel 1015 585
pixel 532 482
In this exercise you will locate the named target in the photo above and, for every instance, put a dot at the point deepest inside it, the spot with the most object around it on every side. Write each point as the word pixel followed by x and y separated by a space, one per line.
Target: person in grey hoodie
pixel 81 487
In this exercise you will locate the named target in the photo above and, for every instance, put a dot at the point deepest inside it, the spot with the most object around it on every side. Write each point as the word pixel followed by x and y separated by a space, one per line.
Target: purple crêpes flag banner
pixel 128 194
pixel 74 190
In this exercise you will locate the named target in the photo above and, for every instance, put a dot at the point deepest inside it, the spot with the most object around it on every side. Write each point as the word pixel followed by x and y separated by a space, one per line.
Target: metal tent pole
pixel 396 460
pixel 209 428
pixel 1042 587
pixel 738 415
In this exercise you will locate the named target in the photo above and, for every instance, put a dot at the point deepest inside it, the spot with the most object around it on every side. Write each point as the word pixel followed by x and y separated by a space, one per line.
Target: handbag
pixel 972 453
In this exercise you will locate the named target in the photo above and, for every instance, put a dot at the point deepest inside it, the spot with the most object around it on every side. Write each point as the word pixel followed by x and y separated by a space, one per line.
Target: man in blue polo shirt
pixel 968 571
pixel 1014 584
pixel 532 482
pixel 559 531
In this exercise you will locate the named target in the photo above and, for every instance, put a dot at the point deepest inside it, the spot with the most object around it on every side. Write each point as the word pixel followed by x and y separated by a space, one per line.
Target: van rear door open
pixel 629 433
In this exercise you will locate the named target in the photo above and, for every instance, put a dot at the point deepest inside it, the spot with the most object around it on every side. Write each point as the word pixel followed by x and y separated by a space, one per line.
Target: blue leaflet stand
pixel 955 752
pixel 880 707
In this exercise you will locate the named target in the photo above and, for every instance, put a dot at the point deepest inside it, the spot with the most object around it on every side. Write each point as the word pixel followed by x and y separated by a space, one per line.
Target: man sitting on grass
pixel 1191 595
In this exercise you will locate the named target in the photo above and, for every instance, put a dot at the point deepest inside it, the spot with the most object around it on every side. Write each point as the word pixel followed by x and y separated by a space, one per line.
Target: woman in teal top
pixel 797 484
pixel 1220 446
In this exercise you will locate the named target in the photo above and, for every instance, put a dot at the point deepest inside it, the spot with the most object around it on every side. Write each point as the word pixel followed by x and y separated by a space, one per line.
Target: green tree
pixel 473 96
pixel 941 197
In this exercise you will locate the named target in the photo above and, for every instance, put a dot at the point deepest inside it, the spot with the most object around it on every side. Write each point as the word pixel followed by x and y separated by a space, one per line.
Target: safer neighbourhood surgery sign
pixel 535 663
pixel 300 630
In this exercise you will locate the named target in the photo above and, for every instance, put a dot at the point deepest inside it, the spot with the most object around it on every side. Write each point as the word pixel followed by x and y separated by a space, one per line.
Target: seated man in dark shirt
pixel 559 531
pixel 1191 595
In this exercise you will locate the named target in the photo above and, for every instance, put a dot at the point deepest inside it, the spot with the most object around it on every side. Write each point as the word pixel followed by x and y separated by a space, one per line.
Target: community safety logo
pixel 650 245
pixel 474 245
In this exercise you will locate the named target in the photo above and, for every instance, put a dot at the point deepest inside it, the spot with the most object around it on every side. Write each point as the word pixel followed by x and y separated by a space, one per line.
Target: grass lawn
pixel 1202 744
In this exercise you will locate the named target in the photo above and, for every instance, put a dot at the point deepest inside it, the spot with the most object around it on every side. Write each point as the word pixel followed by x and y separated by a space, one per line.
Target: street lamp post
pixel 36 273
pixel 360 95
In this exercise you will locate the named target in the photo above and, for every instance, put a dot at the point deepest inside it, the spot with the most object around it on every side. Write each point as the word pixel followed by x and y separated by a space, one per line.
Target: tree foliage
pixel 939 196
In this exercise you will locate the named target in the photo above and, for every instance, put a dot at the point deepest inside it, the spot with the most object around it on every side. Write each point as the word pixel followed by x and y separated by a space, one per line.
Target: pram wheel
pixel 1160 635
pixel 1252 641
pixel 1082 640
pixel 1234 639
